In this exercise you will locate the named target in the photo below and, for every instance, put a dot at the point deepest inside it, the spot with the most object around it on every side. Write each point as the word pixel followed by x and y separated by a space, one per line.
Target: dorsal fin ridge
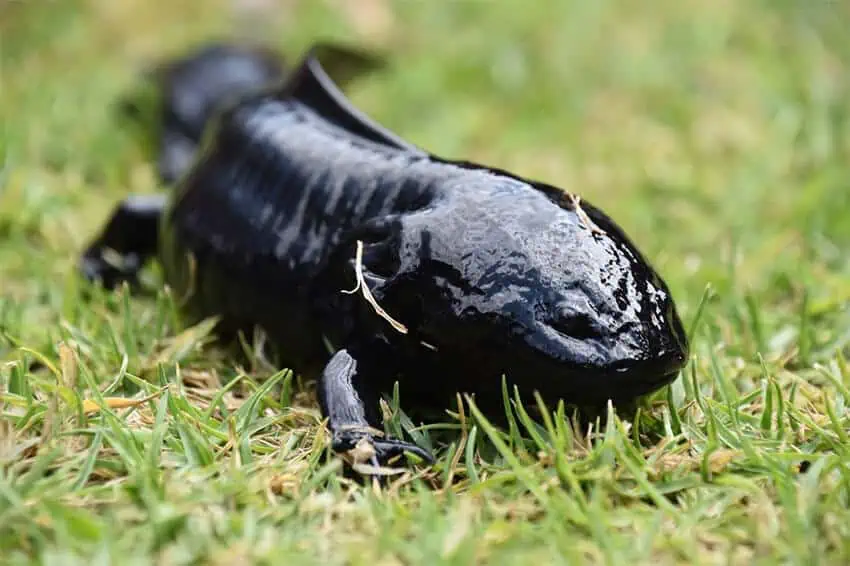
pixel 310 84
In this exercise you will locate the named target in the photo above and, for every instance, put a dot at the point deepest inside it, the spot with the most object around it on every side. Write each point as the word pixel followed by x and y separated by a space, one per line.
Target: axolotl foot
pixel 366 445
pixel 350 404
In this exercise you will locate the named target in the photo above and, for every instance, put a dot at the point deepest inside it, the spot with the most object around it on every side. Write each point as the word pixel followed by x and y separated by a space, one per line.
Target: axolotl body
pixel 382 263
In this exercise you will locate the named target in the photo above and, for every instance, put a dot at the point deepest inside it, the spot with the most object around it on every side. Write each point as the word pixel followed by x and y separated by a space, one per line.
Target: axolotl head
pixel 526 282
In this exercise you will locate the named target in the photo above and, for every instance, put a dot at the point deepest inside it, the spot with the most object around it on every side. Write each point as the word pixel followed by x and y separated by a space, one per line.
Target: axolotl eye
pixel 578 326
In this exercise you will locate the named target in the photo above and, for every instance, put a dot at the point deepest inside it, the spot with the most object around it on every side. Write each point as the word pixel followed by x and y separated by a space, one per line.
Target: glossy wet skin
pixel 491 274
pixel 523 285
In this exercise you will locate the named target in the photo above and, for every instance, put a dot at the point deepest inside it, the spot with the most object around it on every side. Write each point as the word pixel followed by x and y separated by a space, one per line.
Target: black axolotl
pixel 360 252
pixel 192 87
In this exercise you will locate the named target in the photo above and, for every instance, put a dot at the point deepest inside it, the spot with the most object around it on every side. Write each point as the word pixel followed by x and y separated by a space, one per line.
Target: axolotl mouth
pixel 590 363
pixel 583 375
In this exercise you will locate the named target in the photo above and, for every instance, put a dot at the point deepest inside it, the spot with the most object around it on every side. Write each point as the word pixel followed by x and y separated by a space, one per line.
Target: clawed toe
pixel 363 448
pixel 388 449
pixel 96 269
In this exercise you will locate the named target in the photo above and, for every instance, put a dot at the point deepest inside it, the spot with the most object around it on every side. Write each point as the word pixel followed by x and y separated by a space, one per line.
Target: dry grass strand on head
pixel 367 294
pixel 585 219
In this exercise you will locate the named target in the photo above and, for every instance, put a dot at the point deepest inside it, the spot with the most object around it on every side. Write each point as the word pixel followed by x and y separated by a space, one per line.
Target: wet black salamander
pixel 298 199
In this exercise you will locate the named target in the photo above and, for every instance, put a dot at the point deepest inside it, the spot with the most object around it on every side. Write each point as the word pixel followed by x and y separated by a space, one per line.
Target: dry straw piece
pixel 585 219
pixel 367 294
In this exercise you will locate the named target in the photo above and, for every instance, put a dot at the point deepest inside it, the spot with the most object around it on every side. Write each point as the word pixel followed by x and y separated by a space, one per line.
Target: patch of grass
pixel 716 133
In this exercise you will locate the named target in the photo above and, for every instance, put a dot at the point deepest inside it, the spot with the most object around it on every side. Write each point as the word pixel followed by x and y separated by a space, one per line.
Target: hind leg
pixel 131 235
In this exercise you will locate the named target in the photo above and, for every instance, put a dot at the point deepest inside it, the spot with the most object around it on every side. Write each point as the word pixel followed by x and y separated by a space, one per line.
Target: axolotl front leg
pixel 131 233
pixel 350 402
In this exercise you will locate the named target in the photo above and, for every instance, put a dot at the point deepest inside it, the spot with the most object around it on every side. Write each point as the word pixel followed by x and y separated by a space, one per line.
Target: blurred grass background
pixel 717 133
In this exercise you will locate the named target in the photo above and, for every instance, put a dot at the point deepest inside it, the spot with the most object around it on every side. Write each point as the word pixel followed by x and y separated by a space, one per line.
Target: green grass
pixel 716 132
